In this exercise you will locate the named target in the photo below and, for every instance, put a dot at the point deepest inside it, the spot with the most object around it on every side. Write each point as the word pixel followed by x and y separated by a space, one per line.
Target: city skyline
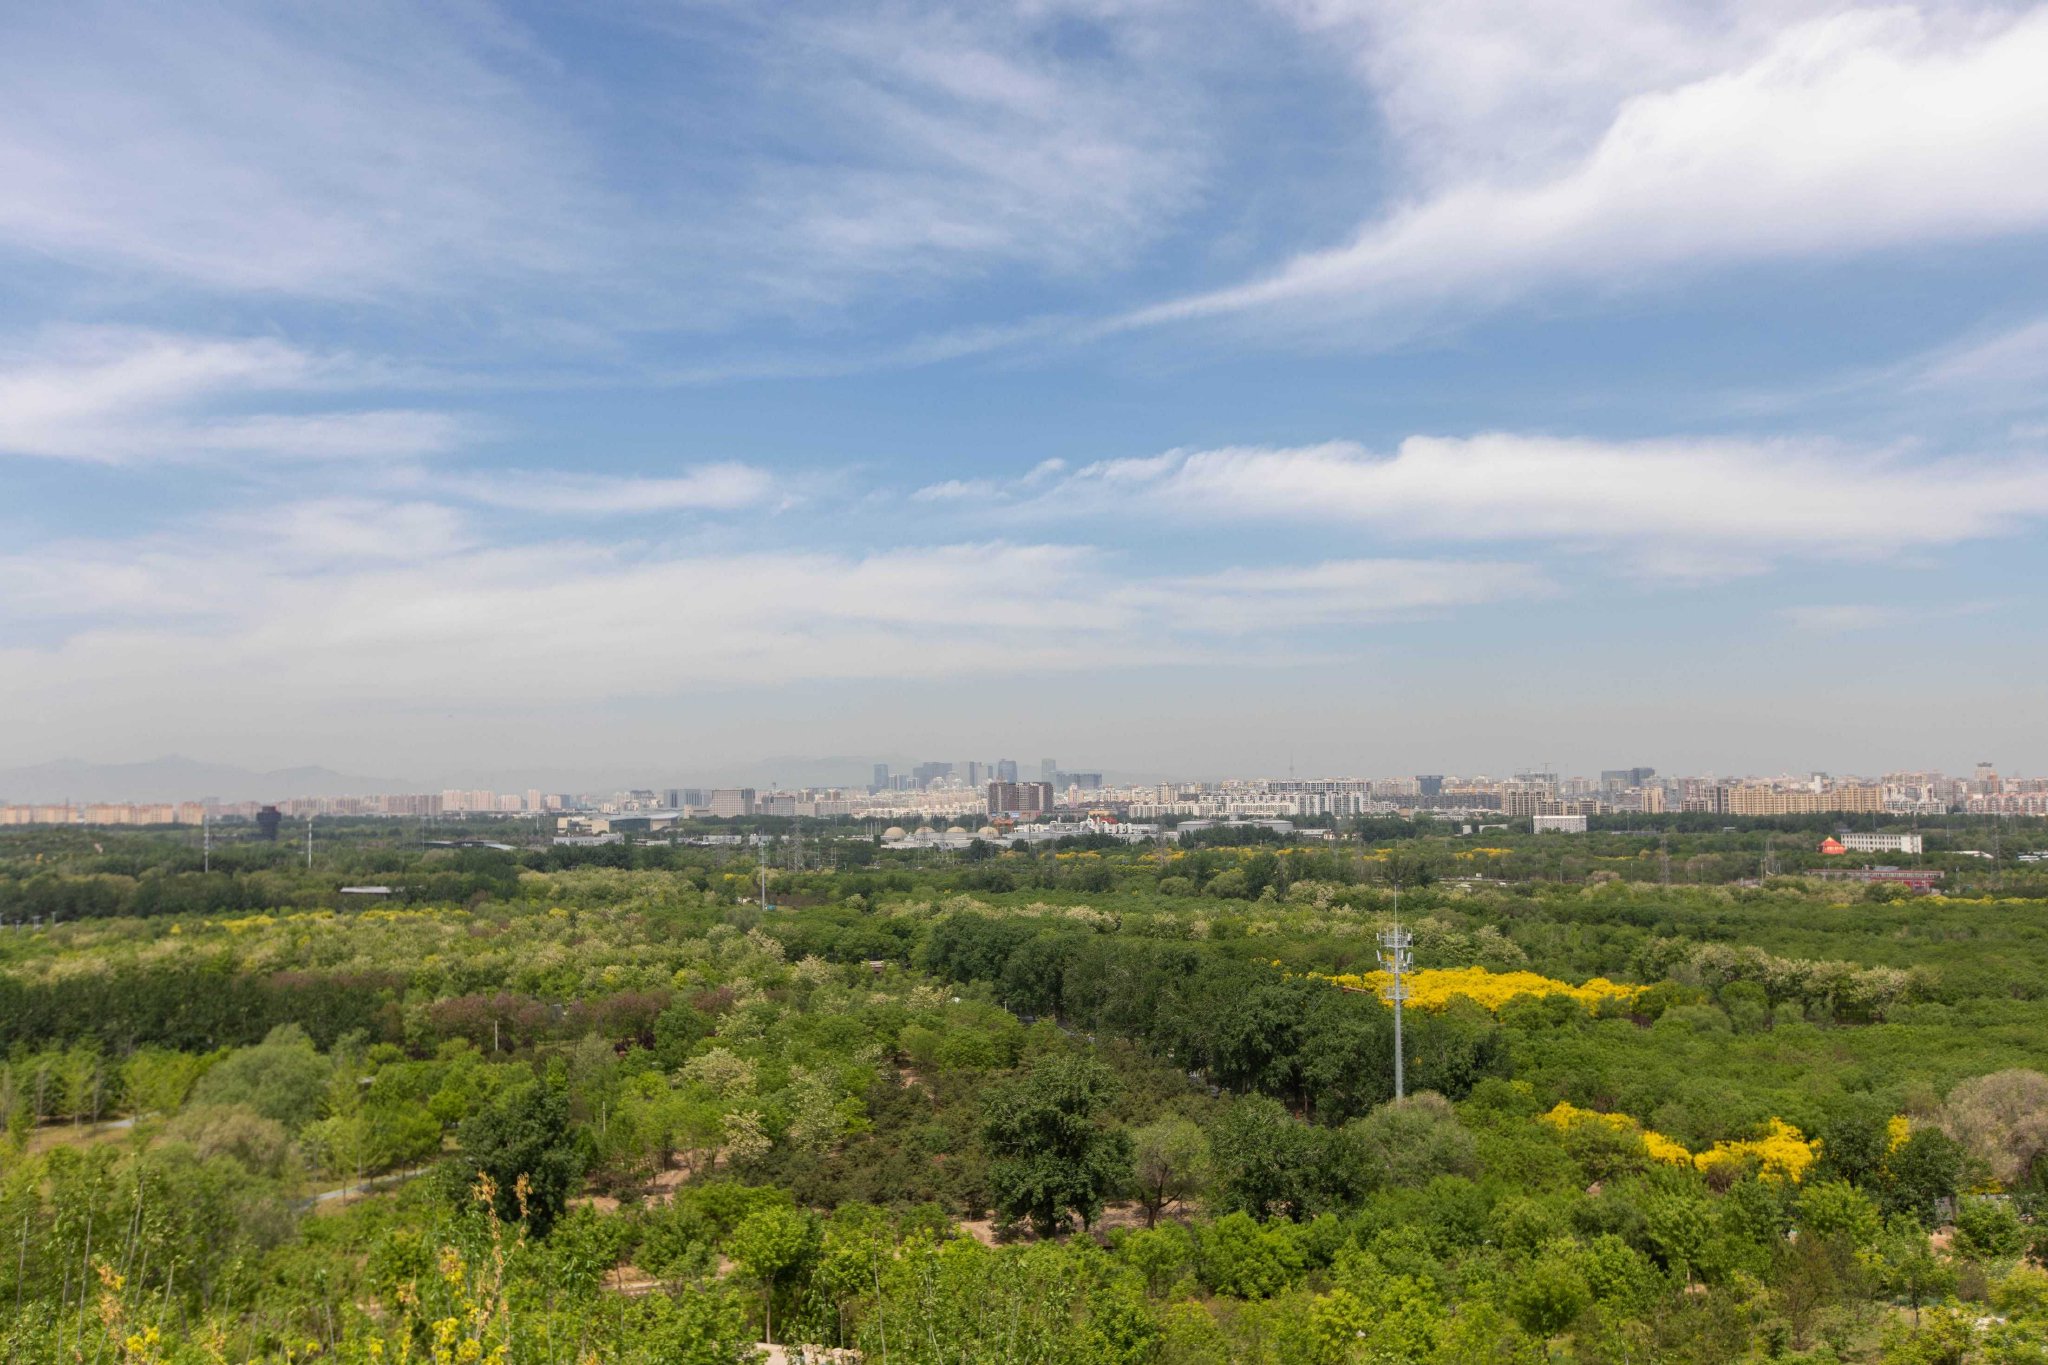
pixel 437 390
pixel 33 796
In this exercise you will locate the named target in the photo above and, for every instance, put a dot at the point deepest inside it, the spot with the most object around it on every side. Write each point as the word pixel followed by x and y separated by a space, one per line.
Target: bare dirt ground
pixel 1114 1216
pixel 659 1190
pixel 52 1135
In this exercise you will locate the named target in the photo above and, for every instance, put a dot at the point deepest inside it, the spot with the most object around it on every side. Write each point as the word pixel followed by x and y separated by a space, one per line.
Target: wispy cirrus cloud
pixel 779 161
pixel 117 396
pixel 2013 362
pixel 338 154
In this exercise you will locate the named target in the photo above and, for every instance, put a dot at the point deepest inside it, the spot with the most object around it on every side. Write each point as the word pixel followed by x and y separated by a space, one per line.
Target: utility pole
pixel 205 843
pixel 309 843
pixel 1396 959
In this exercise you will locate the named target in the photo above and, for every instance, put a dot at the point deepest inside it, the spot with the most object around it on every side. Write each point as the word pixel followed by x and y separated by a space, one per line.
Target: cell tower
pixel 1396 960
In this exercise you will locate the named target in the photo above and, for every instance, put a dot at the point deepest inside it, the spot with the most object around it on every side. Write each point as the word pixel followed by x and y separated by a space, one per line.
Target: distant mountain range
pixel 181 779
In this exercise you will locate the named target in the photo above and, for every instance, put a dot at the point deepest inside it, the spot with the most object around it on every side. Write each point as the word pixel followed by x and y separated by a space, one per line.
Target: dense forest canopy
pixel 1672 1097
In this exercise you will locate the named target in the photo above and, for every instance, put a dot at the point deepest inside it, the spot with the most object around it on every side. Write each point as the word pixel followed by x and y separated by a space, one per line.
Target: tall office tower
pixel 1006 770
pixel 977 773
pixel 1430 784
pixel 1049 770
pixel 881 781
pixel 731 801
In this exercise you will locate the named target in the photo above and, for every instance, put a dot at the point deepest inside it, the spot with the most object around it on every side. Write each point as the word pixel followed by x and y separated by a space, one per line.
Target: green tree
pixel 1266 1161
pixel 1926 1169
pixel 1407 1143
pixel 157 1080
pixel 770 1246
pixel 522 1141
pixel 1170 1162
pixel 1053 1154
pixel 1907 1267
pixel 1549 1296
pixel 1988 1228
pixel 79 1082
pixel 282 1078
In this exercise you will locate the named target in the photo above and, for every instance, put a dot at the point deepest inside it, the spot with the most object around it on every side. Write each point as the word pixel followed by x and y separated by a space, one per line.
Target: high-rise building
pixel 1006 770
pixel 881 782
pixel 1019 798
pixel 1752 798
pixel 1429 784
pixel 1049 770
pixel 732 801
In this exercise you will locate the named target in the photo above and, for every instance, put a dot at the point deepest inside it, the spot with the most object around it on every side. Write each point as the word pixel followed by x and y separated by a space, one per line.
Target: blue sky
pixel 1171 387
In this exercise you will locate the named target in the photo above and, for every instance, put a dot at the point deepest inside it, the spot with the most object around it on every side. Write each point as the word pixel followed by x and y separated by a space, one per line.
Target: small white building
pixel 1881 843
pixel 1560 824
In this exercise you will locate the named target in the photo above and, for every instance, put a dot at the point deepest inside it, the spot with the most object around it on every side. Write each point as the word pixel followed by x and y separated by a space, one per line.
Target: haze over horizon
pixel 1176 388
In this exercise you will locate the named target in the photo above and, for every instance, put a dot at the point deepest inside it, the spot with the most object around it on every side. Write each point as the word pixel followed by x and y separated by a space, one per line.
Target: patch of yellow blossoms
pixel 1434 988
pixel 1782 1153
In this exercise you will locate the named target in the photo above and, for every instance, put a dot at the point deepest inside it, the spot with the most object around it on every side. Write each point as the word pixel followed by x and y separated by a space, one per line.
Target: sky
pixel 1343 386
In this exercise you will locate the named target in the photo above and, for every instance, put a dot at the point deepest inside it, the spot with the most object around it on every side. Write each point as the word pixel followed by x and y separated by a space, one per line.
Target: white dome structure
pixel 893 832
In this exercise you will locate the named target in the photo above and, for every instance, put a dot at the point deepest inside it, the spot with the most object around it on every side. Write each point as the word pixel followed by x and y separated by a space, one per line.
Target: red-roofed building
pixel 1832 847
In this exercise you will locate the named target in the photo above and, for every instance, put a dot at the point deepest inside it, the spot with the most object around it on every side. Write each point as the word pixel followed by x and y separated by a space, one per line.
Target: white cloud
pixel 725 486
pixel 1862 130
pixel 228 565
pixel 1840 618
pixel 115 396
pixel 1478 87
pixel 357 602
pixel 1333 593
pixel 966 490
pixel 1678 505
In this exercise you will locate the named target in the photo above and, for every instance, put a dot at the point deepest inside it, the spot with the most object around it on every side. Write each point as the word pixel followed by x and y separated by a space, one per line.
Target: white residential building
pixel 1559 824
pixel 1881 843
